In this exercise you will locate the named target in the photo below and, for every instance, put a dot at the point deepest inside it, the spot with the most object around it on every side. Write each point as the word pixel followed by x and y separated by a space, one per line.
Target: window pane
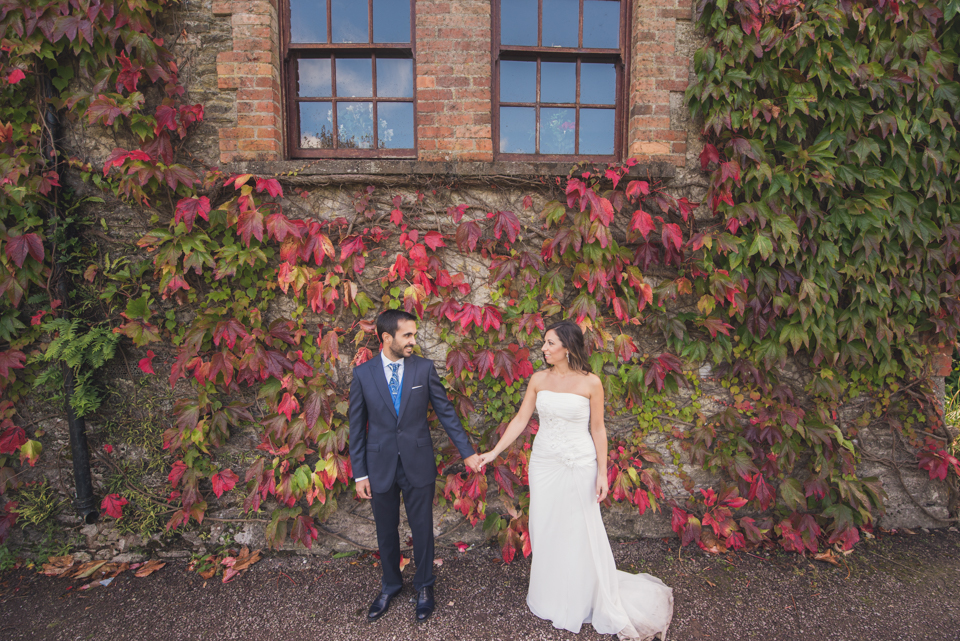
pixel 558 131
pixel 518 22
pixel 601 24
pixel 354 77
pixel 561 23
pixel 394 78
pixel 558 82
pixel 349 21
pixel 517 128
pixel 596 131
pixel 598 84
pixel 308 20
pixel 316 125
pixel 391 20
pixel 518 81
pixel 313 78
pixel 395 125
pixel 355 125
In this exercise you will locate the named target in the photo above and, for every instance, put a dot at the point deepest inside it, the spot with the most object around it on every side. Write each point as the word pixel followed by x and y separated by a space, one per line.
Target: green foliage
pixel 37 502
pixel 83 350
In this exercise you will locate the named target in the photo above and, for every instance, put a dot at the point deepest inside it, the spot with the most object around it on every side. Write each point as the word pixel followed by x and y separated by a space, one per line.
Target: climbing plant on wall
pixel 821 269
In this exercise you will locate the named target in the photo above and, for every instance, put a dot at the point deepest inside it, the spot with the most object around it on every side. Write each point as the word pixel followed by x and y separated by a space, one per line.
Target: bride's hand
pixel 602 487
pixel 487 457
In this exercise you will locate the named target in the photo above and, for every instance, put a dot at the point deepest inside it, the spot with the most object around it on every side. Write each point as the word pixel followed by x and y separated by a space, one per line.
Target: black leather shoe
pixel 425 603
pixel 379 606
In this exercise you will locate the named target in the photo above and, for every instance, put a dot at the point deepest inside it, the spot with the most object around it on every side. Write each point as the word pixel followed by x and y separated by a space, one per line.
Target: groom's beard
pixel 396 353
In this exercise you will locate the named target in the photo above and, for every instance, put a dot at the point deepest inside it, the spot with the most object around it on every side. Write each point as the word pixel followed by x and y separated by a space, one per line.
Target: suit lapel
pixel 380 378
pixel 408 369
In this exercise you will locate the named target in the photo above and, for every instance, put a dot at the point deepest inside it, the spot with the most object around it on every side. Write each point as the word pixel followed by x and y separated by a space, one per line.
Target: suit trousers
pixel 418 502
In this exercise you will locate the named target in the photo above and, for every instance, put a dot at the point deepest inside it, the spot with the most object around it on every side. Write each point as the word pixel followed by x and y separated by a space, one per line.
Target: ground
pixel 897 587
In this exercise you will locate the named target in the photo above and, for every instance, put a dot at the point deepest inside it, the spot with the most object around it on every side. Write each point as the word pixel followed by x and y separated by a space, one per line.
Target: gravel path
pixel 898 587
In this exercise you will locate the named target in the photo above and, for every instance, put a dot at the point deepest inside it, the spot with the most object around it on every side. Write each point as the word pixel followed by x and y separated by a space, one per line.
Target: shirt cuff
pixel 362 478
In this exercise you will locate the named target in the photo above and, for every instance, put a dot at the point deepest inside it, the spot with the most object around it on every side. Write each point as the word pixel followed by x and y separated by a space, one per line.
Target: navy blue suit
pixel 396 453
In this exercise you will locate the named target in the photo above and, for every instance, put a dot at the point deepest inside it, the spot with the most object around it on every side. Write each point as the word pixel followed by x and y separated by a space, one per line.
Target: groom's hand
pixel 474 463
pixel 363 489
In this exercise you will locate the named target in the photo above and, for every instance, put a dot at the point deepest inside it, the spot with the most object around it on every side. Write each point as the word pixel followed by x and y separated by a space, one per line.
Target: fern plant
pixel 84 350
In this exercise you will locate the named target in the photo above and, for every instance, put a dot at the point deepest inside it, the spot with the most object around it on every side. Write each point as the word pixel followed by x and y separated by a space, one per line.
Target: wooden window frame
pixel 620 59
pixel 292 52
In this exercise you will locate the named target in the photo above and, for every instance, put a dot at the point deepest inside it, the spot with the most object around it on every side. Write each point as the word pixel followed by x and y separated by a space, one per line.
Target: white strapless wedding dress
pixel 573 577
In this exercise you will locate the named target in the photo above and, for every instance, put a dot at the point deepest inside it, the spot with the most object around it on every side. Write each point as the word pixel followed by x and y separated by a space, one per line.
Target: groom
pixel 392 453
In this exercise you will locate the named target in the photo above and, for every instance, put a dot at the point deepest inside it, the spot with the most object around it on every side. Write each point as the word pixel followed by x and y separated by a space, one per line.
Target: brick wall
pixel 453 62
pixel 252 70
pixel 657 69
pixel 453 80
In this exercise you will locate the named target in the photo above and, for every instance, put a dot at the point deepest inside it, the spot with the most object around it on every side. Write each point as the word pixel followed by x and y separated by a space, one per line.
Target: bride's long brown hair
pixel 571 337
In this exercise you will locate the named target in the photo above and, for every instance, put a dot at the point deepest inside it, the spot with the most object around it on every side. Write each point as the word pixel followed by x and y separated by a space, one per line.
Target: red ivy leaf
pixel 176 473
pixel 15 76
pixel 189 208
pixel 224 481
pixel 642 222
pixel 468 235
pixel 113 504
pixel 708 155
pixel 506 222
pixel 250 224
pixel 146 364
pixel 18 247
pixel 637 188
pixel 434 240
pixel 12 439
pixel 272 185
pixel 11 359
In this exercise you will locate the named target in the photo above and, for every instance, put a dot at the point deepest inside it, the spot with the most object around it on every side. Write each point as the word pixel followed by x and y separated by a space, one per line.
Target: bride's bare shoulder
pixel 594 384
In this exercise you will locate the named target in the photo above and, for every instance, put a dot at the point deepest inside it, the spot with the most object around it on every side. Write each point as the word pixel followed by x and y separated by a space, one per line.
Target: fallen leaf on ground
pixel 149 568
pixel 462 546
pixel 238 564
pixel 710 583
pixel 57 565
pixel 828 557
pixel 438 561
pixel 404 561
pixel 87 569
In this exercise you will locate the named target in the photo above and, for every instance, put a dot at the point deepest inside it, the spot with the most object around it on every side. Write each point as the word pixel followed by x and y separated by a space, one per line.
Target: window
pixel 349 77
pixel 558 80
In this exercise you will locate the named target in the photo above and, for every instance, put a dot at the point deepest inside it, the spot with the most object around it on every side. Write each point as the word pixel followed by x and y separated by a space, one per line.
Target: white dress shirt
pixel 388 372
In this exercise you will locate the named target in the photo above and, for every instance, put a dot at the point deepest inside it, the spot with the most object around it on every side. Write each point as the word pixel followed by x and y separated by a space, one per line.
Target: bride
pixel 573 577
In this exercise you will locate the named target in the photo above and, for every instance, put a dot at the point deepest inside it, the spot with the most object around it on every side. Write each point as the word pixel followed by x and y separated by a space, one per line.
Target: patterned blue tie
pixel 395 385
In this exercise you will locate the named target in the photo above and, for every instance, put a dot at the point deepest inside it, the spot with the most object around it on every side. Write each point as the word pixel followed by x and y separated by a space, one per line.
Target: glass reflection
pixel 313 77
pixel 394 78
pixel 601 24
pixel 391 20
pixel 349 21
pixel 354 77
pixel 395 125
pixel 518 81
pixel 355 125
pixel 308 21
pixel 518 22
pixel 558 82
pixel 558 131
pixel 316 125
pixel 598 83
pixel 561 24
pixel 596 131
pixel 517 127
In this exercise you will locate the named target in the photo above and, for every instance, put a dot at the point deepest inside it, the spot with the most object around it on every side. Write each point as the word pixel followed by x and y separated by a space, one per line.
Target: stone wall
pixel 230 58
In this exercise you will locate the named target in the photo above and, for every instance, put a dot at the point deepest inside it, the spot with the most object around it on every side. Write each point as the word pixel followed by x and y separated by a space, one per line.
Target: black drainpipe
pixel 85 502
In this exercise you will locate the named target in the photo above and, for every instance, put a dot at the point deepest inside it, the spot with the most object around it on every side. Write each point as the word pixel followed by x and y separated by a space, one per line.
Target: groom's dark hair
pixel 389 321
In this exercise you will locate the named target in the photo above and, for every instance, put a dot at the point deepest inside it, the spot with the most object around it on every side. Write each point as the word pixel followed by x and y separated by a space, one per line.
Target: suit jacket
pixel 378 436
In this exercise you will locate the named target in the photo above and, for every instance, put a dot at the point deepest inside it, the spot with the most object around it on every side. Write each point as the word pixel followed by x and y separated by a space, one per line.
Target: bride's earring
pixel 568 357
